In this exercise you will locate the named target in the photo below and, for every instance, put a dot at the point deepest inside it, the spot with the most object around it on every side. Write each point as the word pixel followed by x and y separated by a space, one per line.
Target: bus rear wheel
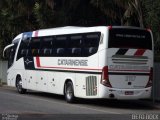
pixel 19 87
pixel 69 92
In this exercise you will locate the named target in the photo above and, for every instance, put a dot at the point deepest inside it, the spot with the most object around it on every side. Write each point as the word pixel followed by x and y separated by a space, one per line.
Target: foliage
pixel 44 15
pixel 17 16
pixel 152 20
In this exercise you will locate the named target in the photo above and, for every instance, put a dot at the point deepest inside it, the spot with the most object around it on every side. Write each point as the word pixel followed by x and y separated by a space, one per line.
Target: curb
pixel 4 86
pixel 156 104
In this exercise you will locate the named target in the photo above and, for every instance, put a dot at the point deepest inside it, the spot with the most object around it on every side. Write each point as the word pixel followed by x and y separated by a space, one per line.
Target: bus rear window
pixel 129 38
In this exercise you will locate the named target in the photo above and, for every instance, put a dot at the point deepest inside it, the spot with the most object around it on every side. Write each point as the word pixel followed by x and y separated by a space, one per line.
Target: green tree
pixel 17 16
pixel 44 13
pixel 152 20
pixel 133 13
pixel 113 9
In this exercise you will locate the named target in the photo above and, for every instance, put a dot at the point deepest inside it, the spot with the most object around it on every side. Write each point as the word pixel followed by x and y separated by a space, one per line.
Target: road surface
pixel 39 105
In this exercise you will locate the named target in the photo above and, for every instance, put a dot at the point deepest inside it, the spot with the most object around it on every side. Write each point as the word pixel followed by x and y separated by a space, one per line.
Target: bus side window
pixel 35 52
pixel 11 57
pixel 47 46
pixel 92 50
pixel 24 52
pixel 23 49
pixel 76 52
pixel 35 46
pixel 12 54
pixel 60 45
pixel 60 52
pixel 75 44
pixel 91 43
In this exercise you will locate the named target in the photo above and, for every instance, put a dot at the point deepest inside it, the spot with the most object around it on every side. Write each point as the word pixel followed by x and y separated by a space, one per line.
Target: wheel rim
pixel 69 92
pixel 19 85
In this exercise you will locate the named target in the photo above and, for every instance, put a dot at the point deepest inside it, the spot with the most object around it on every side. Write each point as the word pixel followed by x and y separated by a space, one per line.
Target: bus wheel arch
pixel 69 91
pixel 18 85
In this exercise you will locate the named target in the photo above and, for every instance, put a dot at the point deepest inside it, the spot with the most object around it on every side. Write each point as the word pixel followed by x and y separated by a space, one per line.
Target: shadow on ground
pixel 118 104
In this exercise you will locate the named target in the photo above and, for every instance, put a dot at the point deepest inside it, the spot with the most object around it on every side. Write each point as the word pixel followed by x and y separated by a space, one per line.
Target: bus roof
pixel 71 29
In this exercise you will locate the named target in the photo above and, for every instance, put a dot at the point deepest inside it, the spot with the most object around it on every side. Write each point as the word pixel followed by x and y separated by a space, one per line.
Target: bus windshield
pixel 129 38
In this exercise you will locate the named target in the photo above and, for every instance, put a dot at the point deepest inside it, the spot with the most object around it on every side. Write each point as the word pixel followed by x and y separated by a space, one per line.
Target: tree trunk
pixel 137 6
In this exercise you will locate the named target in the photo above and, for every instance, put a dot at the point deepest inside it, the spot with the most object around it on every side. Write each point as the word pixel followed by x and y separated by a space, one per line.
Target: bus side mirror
pixel 6 54
pixel 7 50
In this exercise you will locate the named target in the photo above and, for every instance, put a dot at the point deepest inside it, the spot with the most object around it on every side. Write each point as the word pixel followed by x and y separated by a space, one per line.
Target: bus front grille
pixel 91 86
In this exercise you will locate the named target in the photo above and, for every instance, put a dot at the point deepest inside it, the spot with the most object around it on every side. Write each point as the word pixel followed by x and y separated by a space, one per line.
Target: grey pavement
pixel 38 105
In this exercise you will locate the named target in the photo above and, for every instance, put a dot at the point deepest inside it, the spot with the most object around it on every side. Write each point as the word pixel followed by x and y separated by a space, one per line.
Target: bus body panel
pixel 129 71
pixel 105 92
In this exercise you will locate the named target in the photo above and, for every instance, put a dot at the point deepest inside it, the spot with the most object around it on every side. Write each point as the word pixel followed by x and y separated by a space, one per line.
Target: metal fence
pixel 156 86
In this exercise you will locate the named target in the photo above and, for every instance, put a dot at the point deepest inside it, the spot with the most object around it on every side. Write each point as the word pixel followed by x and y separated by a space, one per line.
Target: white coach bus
pixel 84 62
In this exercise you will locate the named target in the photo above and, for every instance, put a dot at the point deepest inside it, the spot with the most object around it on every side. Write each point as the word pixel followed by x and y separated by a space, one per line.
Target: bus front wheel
pixel 19 87
pixel 69 92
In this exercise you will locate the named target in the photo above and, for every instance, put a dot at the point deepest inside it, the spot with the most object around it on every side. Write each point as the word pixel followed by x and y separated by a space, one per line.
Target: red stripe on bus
pixel 39 65
pixel 139 52
pixel 70 68
pixel 36 34
pixel 38 62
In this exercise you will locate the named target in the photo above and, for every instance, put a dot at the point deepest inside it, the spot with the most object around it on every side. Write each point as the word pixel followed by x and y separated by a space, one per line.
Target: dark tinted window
pixel 60 42
pixel 69 45
pixel 35 43
pixel 75 41
pixel 35 47
pixel 23 48
pixel 91 43
pixel 92 40
pixel 47 42
pixel 12 52
pixel 129 38
pixel 46 46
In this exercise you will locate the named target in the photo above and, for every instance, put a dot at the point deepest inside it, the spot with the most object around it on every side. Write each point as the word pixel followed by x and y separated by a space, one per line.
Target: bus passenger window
pixel 60 52
pixel 91 43
pixel 35 45
pixel 60 45
pixel 76 52
pixel 11 57
pixel 23 49
pixel 47 52
pixel 47 46
pixel 24 52
pixel 75 41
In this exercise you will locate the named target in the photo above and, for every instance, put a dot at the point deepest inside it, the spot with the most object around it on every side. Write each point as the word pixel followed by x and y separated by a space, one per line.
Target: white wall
pixel 3 71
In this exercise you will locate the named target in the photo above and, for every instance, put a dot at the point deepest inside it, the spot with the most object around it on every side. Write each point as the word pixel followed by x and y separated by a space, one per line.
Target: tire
pixel 69 92
pixel 19 87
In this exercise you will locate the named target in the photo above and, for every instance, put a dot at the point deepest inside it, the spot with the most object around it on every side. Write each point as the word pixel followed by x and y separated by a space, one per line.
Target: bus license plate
pixel 129 92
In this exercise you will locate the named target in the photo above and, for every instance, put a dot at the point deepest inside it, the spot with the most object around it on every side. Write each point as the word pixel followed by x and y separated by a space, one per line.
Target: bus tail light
pixel 105 77
pixel 150 81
